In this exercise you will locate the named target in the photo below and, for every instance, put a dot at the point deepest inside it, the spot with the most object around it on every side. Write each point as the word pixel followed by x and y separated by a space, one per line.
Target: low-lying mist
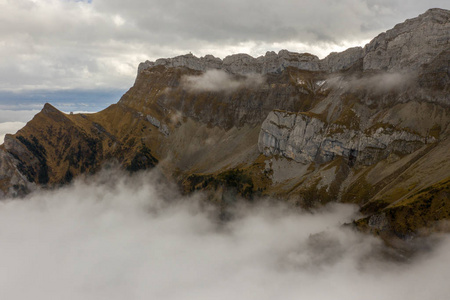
pixel 377 84
pixel 116 236
pixel 220 81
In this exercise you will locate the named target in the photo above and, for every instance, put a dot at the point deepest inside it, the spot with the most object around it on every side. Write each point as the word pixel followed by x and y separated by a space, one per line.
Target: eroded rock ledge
pixel 305 139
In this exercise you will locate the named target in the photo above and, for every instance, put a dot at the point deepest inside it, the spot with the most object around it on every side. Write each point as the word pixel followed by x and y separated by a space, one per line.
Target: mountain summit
pixel 368 126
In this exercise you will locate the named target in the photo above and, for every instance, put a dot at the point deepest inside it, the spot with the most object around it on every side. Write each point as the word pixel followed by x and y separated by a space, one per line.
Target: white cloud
pixel 118 237
pixel 376 83
pixel 220 81
pixel 7 115
pixel 13 120
pixel 9 127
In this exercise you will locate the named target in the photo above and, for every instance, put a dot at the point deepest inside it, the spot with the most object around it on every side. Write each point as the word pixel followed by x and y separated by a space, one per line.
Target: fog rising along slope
pixel 368 126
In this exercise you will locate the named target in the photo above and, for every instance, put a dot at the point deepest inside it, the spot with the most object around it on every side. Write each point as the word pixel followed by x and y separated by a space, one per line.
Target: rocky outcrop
pixel 163 128
pixel 12 181
pixel 241 63
pixel 271 62
pixel 306 139
pixel 342 60
pixel 410 44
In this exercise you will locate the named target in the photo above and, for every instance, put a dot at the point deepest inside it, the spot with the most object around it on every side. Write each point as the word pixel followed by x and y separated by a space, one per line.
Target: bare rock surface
pixel 410 44
pixel 307 139
pixel 241 63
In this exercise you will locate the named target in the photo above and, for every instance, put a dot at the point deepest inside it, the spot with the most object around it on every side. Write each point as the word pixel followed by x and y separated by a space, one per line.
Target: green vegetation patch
pixel 435 131
pixel 349 119
pixel 237 180
pixel 359 192
pixel 421 213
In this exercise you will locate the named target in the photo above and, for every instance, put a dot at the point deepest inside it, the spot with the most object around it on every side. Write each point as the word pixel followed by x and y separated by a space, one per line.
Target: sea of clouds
pixel 115 236
pixel 13 120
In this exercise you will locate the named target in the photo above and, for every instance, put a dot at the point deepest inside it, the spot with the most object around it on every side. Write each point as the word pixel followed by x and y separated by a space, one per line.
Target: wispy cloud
pixel 376 83
pixel 220 81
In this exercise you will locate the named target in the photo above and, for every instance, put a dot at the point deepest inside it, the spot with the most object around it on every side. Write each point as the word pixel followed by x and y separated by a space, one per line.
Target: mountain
pixel 368 126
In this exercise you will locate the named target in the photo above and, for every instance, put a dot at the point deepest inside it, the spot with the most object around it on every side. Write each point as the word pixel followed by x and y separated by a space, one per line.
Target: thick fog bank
pixel 120 237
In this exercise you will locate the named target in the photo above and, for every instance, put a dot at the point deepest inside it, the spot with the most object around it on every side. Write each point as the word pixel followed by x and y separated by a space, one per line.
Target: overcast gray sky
pixel 97 45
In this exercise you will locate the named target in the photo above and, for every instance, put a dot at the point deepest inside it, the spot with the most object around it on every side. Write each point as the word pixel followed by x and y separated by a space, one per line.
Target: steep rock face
pixel 12 181
pixel 163 93
pixel 307 139
pixel 410 44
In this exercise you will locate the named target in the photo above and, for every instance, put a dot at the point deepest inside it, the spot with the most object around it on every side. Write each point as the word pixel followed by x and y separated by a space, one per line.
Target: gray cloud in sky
pixel 56 44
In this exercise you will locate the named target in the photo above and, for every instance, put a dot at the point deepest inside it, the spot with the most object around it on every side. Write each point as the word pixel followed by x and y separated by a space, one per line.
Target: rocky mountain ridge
pixel 406 46
pixel 368 126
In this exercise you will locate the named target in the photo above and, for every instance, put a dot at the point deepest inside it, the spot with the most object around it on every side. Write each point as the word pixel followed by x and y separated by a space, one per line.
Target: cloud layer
pixel 9 127
pixel 68 44
pixel 220 81
pixel 119 237
pixel 377 83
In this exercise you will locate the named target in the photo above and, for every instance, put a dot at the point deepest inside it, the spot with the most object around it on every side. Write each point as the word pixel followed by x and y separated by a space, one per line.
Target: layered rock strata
pixel 307 139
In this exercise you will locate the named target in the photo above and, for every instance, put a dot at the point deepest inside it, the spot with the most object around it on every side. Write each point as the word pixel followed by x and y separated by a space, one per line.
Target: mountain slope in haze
pixel 368 126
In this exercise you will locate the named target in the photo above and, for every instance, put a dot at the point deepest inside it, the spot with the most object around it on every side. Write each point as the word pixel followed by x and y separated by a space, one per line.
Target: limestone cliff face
pixel 241 63
pixel 410 44
pixel 307 139
pixel 271 62
pixel 163 93
pixel 369 126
